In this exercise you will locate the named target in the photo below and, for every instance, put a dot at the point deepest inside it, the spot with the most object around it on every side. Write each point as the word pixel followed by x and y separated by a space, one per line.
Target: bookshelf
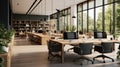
pixel 25 26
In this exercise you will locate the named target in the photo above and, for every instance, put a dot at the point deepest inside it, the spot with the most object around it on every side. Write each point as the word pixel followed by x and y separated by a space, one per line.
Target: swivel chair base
pixel 103 56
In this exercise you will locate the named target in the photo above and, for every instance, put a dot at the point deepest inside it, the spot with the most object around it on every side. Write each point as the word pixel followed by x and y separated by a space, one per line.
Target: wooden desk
pixel 68 42
pixel 57 35
pixel 76 42
pixel 40 38
pixel 7 56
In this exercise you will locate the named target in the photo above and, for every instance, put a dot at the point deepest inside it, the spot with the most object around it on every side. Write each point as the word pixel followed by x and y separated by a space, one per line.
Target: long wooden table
pixel 40 38
pixel 77 41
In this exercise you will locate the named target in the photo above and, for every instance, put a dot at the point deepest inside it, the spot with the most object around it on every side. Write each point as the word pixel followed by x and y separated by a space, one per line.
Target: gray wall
pixel 4 13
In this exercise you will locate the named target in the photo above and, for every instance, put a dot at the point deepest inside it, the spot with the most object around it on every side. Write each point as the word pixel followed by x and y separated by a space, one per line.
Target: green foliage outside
pixel 118 17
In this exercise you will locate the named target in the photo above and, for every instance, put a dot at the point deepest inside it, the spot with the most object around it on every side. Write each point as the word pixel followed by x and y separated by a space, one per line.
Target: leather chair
pixel 54 50
pixel 105 47
pixel 84 49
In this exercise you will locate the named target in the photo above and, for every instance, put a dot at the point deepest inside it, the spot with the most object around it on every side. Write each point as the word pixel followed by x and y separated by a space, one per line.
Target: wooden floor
pixel 29 54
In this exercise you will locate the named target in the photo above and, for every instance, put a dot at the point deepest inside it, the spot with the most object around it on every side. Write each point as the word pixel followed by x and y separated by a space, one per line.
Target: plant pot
pixel 5 49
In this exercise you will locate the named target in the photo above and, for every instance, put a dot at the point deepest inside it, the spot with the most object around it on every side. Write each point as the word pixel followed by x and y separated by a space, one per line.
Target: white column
pixel 74 13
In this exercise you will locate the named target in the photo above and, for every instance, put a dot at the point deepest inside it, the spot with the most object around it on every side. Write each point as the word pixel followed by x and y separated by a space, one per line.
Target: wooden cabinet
pixel 25 26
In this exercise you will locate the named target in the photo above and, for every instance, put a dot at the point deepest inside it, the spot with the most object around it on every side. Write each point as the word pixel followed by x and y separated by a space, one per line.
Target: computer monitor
pixel 100 35
pixel 70 35
pixel 40 31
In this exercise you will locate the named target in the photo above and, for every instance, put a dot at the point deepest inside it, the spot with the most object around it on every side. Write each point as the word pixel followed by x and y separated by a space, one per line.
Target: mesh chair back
pixel 53 46
pixel 107 47
pixel 86 48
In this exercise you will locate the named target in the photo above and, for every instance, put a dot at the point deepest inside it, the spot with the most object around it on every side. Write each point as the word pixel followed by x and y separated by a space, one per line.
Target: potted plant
pixel 5 38
pixel 73 28
pixel 67 28
pixel 118 55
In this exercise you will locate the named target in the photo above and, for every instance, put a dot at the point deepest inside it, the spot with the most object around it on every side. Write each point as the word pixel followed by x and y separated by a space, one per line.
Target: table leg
pixel 62 54
pixel 119 46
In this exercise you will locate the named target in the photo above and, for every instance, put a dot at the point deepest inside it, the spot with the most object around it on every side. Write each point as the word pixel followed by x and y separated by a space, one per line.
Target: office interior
pixel 50 33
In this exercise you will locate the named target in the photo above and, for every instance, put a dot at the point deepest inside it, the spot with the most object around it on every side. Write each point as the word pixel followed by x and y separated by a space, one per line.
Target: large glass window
pixel 98 13
pixel 91 4
pixel 91 20
pixel 109 18
pixel 61 23
pixel 108 1
pixel 79 8
pixel 98 19
pixel 64 19
pixel 79 21
pixel 84 6
pixel 117 14
pixel 99 3
pixel 84 21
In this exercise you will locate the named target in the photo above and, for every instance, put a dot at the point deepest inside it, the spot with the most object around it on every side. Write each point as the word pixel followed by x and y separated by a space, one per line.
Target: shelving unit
pixel 25 26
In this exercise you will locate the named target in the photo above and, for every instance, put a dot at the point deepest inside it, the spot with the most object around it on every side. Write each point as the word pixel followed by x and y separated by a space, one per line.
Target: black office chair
pixel 84 49
pixel 105 47
pixel 54 50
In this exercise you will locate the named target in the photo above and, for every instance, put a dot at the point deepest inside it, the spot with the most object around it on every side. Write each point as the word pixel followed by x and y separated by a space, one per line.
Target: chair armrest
pixel 78 50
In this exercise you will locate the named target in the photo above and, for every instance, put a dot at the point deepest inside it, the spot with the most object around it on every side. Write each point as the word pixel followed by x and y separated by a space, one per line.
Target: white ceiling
pixel 46 7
